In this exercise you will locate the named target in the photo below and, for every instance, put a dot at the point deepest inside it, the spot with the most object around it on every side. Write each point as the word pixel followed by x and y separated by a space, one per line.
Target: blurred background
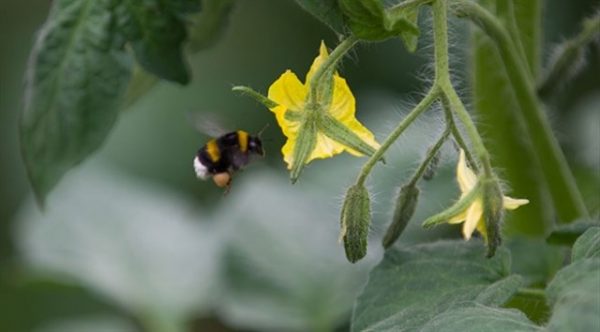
pixel 132 241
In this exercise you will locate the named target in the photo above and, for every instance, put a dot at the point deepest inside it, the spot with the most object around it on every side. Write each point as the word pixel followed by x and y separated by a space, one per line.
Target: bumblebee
pixel 222 156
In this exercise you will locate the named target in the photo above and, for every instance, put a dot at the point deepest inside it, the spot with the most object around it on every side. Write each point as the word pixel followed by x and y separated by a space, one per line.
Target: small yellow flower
pixel 292 95
pixel 472 215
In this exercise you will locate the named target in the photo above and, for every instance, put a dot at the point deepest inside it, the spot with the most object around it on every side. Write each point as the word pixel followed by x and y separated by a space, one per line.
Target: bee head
pixel 255 146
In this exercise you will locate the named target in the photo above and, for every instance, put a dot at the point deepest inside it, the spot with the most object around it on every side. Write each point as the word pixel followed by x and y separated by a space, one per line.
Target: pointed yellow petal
pixel 343 109
pixel 323 54
pixel 465 176
pixel 325 148
pixel 288 92
pixel 481 228
pixel 474 214
pixel 513 203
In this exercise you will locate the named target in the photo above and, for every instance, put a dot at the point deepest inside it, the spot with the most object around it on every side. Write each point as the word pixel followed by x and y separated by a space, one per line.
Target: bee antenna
pixel 259 134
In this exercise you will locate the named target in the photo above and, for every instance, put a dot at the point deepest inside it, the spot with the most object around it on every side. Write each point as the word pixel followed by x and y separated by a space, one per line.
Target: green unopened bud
pixel 406 204
pixel 338 132
pixel 493 208
pixel 305 144
pixel 355 221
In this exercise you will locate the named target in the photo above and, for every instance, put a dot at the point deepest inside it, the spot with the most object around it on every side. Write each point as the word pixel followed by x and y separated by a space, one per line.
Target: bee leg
pixel 228 186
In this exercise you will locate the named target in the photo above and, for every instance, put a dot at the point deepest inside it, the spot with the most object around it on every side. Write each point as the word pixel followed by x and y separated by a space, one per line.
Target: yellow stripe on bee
pixel 243 140
pixel 213 150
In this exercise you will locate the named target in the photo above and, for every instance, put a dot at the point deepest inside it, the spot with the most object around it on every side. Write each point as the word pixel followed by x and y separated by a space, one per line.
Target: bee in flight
pixel 224 155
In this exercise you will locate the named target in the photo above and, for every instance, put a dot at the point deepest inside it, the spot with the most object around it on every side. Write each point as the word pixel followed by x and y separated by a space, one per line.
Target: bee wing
pixel 206 123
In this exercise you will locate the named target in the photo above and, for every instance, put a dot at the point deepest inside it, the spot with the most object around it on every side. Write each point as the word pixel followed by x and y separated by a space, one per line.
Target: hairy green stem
pixel 566 196
pixel 457 135
pixel 430 155
pixel 431 96
pixel 570 54
pixel 442 78
pixel 506 10
pixel 404 5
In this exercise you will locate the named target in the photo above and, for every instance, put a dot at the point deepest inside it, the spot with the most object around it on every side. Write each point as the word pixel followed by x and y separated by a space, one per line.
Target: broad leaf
pixel 588 245
pixel 475 318
pixel 574 291
pixel 327 11
pixel 413 285
pixel 138 245
pixel 369 20
pixel 77 75
pixel 157 31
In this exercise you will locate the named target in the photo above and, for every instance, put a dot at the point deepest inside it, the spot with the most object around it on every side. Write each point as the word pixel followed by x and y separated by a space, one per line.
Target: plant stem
pixel 566 196
pixel 569 57
pixel 430 155
pixel 423 105
pixel 404 5
pixel 457 135
pixel 442 78
pixel 329 63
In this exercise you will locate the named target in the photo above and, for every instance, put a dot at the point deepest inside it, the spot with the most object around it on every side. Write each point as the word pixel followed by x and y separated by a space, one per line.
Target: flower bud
pixel 406 204
pixel 493 214
pixel 355 221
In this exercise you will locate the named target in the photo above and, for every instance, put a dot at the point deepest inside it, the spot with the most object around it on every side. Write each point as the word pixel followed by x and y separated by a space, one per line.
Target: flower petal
pixel 474 214
pixel 288 92
pixel 343 109
pixel 465 176
pixel 325 148
pixel 482 229
pixel 323 54
pixel 513 203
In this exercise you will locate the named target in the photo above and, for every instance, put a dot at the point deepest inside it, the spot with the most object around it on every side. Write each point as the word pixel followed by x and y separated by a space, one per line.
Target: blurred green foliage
pixel 131 232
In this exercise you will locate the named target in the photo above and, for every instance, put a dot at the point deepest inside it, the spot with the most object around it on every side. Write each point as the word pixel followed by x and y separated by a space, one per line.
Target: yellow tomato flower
pixel 472 215
pixel 292 96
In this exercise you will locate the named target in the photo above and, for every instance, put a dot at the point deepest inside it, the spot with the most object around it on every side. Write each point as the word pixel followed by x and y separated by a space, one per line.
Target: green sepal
pixel 338 132
pixel 493 214
pixel 259 97
pixel 355 221
pixel 455 209
pixel 369 20
pixel 305 144
pixel 406 204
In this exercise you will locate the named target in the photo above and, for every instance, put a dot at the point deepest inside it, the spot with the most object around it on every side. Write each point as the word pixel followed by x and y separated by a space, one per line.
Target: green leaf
pixel 369 20
pixel 209 24
pixel 156 30
pixel 127 241
pixel 327 11
pixel 76 78
pixel 480 318
pixel 412 285
pixel 574 291
pixel 588 245
pixel 205 30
